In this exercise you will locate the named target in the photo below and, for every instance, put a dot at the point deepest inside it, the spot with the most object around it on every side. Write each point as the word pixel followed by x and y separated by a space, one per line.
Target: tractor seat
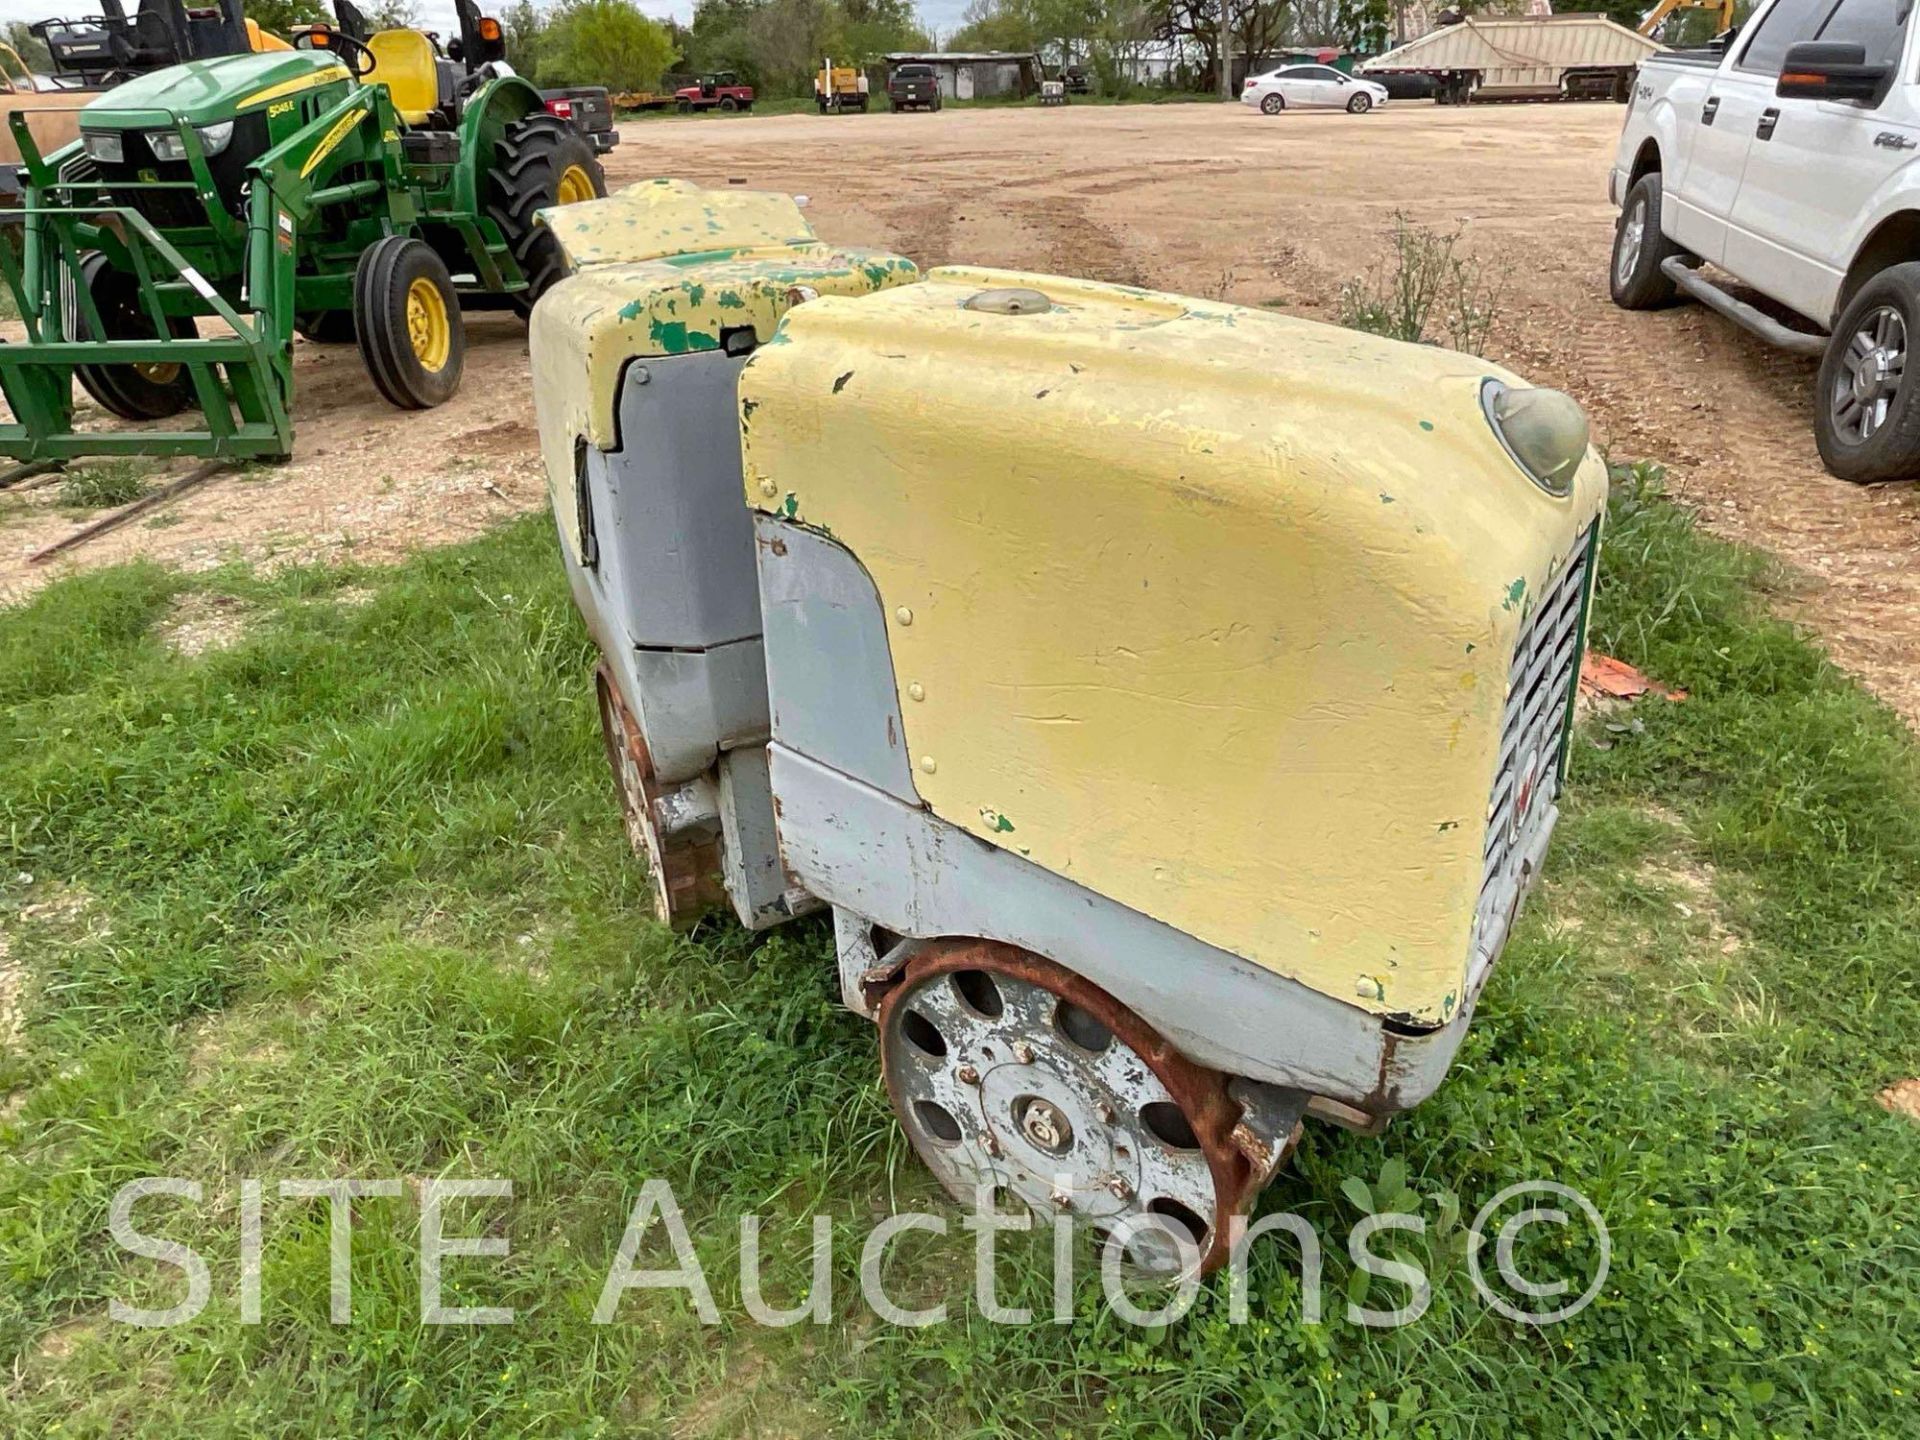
pixel 403 62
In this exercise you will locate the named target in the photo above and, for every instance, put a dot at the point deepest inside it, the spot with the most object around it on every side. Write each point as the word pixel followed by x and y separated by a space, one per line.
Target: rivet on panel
pixel 916 691
pixel 903 615
pixel 768 488
pixel 640 375
pixel 928 764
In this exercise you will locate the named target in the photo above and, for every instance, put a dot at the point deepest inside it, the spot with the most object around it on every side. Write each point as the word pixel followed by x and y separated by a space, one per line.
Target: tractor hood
pixel 202 91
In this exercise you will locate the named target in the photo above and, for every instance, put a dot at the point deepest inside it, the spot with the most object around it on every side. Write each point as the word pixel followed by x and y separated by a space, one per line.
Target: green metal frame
pixel 293 256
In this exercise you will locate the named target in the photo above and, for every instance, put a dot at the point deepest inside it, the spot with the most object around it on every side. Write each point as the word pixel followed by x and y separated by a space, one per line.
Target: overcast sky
pixel 943 15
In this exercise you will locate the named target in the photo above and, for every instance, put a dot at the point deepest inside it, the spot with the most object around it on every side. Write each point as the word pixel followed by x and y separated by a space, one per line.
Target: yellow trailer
pixel 839 87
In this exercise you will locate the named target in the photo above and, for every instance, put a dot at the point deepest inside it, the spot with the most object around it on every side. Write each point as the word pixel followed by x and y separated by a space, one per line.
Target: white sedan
pixel 1311 85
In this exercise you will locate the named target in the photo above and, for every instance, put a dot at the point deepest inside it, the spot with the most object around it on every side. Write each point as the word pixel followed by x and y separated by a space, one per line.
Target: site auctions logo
pixel 1137 1300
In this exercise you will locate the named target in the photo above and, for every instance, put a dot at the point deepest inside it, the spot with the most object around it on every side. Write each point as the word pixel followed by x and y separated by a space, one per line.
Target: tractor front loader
pixel 358 186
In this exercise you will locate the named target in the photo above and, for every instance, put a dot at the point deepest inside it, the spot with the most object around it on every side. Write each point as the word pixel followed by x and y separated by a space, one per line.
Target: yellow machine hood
pixel 667 268
pixel 1209 610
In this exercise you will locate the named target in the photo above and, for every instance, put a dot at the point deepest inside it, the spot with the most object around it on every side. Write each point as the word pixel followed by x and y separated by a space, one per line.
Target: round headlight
pixel 1545 431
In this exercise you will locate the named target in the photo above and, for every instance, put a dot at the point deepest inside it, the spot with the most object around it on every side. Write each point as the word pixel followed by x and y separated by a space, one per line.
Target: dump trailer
pixel 351 190
pixel 1046 631
pixel 1522 57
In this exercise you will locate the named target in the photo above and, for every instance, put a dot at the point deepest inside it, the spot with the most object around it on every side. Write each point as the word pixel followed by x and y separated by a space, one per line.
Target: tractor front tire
pixel 541 161
pixel 407 315
pixel 133 392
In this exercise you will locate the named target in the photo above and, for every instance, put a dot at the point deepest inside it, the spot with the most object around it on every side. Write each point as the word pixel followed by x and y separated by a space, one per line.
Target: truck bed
pixel 1706 58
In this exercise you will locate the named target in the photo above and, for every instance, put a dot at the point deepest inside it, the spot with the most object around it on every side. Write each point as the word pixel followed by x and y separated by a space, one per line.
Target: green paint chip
pixel 1426 425
pixel 1515 592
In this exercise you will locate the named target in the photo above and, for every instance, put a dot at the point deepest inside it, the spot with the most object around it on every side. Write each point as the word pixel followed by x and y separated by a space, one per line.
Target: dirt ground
pixel 1208 200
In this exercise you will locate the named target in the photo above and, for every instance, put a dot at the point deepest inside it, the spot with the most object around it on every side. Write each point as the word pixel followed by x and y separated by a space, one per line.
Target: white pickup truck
pixel 1786 158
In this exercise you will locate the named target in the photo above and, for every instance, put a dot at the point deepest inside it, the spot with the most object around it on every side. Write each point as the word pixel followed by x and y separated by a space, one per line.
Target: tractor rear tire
pixel 133 392
pixel 407 315
pixel 540 159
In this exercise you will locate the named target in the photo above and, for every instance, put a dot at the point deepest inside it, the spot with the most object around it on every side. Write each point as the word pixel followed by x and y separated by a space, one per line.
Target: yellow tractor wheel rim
pixel 575 185
pixel 428 328
pixel 158 373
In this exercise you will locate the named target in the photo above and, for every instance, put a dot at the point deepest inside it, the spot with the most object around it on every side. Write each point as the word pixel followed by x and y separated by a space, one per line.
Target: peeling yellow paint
pixel 666 268
pixel 1160 518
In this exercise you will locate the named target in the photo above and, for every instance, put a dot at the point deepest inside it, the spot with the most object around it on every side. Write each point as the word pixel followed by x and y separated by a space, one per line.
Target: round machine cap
pixel 1011 301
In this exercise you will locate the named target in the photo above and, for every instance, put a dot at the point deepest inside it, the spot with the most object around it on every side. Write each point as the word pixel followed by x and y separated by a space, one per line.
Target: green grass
pixel 350 898
pixel 101 484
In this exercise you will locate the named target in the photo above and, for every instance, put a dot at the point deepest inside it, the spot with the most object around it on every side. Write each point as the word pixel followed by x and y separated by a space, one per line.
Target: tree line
pixel 776 45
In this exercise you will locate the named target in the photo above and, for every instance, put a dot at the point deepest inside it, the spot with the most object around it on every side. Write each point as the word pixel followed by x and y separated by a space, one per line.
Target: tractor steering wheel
pixel 356 55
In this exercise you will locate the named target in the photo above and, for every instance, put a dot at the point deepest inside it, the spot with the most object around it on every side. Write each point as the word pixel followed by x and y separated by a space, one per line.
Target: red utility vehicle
pixel 714 92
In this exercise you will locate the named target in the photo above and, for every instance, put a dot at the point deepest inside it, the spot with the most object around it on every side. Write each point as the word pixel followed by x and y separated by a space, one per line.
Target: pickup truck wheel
pixel 728 103
pixel 1866 419
pixel 1639 246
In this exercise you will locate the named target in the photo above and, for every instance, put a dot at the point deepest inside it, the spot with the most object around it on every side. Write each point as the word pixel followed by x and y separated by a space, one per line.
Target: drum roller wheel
pixel 1010 1072
pixel 685 866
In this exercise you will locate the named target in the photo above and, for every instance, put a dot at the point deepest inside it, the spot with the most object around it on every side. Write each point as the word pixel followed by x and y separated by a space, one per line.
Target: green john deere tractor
pixel 354 186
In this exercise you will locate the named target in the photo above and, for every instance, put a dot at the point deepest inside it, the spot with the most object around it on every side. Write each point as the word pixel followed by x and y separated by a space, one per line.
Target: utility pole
pixel 1226 49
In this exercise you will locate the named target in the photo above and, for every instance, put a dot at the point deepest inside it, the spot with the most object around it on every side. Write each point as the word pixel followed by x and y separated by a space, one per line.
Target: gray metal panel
pixel 853 949
pixel 829 670
pixel 672 600
pixel 692 704
pixel 750 850
pixel 893 863
pixel 675 538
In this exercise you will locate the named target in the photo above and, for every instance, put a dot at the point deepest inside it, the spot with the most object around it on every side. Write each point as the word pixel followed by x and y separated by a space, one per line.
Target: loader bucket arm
pixel 242 380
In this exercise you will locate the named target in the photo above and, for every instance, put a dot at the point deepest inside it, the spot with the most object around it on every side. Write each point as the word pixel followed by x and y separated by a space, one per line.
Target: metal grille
pixel 1526 780
pixel 183 209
